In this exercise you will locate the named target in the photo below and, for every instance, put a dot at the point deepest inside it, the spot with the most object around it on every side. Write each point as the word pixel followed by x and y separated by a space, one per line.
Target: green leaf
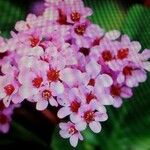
pixel 109 14
pixel 9 15
pixel 137 24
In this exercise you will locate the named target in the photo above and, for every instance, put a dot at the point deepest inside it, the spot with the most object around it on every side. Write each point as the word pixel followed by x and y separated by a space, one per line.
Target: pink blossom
pixel 132 75
pixel 45 96
pixel 71 101
pixel 119 92
pixel 9 86
pixel 69 130
pixel 91 114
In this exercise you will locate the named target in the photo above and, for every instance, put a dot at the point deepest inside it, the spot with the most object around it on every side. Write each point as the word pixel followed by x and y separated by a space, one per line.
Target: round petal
pixel 63 112
pixel 95 126
pixel 135 46
pixel 53 102
pixel 70 76
pixel 101 116
pixel 74 140
pixel 104 80
pixel 131 82
pixel 57 88
pixel 113 35
pixel 126 92
pixel 81 126
pixel 106 99
pixel 120 78
pixel 140 75
pixel 64 134
pixel 41 105
pixel 75 118
pixel 118 102
pixel 93 68
pixel 146 66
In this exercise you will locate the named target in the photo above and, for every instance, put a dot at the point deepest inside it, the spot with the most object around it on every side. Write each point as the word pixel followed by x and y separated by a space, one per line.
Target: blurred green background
pixel 128 128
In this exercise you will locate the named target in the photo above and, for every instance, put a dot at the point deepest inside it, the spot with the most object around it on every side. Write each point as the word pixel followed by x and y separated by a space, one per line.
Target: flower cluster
pixel 62 59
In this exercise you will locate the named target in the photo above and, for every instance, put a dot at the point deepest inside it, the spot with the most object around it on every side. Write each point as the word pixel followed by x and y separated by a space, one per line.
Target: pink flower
pixel 9 86
pixel 71 101
pixel 144 60
pixel 90 95
pixel 69 130
pixel 132 75
pixel 119 91
pixel 25 25
pixel 105 52
pixel 91 114
pixel 45 96
pixel 93 70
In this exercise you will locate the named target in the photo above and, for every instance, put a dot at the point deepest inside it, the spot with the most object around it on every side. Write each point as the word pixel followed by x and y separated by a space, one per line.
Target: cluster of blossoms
pixel 62 59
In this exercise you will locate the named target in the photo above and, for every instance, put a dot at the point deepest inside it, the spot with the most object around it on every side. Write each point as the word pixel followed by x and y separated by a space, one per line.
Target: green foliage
pixel 137 24
pixel 107 13
pixel 9 15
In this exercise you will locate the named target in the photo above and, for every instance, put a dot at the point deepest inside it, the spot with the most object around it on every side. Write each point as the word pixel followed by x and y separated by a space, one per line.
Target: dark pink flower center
pixel 2 106
pixel 9 89
pixel 46 94
pixel 75 106
pixel 89 116
pixel 34 41
pixel 53 75
pixel 96 41
pixel 37 81
pixel 123 53
pixel 91 82
pixel 106 55
pixel 89 97
pixel 80 29
pixel 3 119
pixel 75 16
pixel 115 90
pixel 72 130
pixel 62 18
pixel 127 71
pixel 85 51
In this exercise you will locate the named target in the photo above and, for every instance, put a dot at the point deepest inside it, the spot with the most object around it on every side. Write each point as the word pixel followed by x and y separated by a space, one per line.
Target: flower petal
pixel 104 80
pixel 41 105
pixel 64 134
pixel 118 102
pixel 57 88
pixel 74 140
pixel 75 118
pixel 53 102
pixel 113 35
pixel 63 112
pixel 146 66
pixel 126 92
pixel 71 76
pixel 95 126
pixel 81 126
pixel 101 116
pixel 93 68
